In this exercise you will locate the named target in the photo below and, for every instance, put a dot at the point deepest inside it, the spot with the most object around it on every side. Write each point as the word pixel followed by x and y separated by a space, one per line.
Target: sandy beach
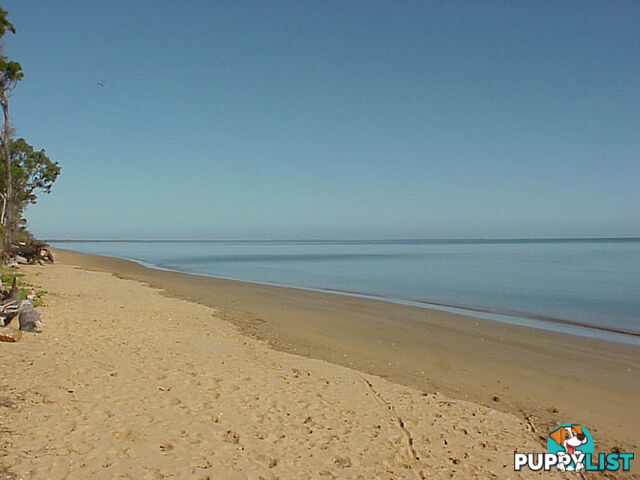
pixel 153 374
pixel 319 240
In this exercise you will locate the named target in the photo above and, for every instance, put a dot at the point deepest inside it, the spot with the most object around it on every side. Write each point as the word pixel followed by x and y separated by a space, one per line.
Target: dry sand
pixel 547 378
pixel 125 382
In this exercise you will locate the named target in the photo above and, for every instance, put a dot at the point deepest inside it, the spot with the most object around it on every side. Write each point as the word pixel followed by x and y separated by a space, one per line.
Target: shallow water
pixel 590 281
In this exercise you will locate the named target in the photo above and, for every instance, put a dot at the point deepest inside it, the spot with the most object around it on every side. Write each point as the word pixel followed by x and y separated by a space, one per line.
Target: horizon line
pixel 399 239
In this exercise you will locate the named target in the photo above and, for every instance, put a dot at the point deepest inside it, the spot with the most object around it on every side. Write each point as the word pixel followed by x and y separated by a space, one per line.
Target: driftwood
pixel 30 253
pixel 10 306
pixel 8 334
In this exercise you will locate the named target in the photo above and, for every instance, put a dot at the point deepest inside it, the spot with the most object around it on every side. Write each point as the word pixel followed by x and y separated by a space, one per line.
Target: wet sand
pixel 546 378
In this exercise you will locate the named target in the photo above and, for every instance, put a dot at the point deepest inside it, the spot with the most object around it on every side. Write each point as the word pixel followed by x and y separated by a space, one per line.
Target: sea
pixel 587 287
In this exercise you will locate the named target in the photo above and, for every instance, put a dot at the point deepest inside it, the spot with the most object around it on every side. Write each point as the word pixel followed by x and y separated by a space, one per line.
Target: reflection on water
pixel 593 281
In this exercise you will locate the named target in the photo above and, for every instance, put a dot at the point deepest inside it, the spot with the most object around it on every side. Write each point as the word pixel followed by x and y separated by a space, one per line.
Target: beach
pixel 143 373
pixel 319 240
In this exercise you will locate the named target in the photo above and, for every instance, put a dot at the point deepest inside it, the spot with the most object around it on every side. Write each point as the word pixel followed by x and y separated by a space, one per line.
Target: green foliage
pixel 7 277
pixel 5 24
pixel 38 302
pixel 11 71
pixel 31 171
pixel 10 74
pixel 26 171
pixel 7 280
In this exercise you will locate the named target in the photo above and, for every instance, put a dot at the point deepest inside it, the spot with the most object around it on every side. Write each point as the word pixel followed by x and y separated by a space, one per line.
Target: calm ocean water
pixel 594 282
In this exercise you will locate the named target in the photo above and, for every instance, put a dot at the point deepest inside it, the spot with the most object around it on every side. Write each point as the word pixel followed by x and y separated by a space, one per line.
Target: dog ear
pixel 577 428
pixel 557 435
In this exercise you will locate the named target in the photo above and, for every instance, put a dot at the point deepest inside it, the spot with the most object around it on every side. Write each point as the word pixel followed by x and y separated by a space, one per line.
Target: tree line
pixel 25 172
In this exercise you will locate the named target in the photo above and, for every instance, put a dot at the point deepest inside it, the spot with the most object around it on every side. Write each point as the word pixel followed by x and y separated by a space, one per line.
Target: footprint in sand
pixel 342 462
pixel 231 437
pixel 265 460
pixel 166 447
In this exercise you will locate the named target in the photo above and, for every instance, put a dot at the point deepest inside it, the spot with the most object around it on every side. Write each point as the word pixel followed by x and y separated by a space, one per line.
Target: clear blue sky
pixel 312 119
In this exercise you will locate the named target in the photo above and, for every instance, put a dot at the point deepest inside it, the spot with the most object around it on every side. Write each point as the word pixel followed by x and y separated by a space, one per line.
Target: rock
pixel 29 318
pixel 10 335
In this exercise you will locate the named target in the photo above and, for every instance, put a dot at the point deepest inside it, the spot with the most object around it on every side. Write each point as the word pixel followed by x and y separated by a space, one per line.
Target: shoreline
pixel 522 319
pixel 128 382
pixel 509 368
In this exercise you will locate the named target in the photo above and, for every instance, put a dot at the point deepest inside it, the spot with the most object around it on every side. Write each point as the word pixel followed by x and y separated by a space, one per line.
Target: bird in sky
pixel 101 84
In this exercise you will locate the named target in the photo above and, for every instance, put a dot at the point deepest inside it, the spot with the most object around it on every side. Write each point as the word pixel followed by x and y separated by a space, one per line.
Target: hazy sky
pixel 235 119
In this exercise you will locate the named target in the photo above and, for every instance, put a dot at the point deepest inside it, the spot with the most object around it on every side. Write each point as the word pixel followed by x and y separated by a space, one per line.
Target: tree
pixel 32 172
pixel 10 74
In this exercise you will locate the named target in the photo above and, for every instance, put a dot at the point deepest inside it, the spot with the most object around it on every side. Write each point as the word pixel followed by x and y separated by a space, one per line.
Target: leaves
pixel 31 171
pixel 5 24
pixel 34 170
pixel 10 72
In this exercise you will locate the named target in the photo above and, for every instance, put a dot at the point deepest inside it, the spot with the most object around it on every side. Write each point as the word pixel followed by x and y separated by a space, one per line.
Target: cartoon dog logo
pixel 569 437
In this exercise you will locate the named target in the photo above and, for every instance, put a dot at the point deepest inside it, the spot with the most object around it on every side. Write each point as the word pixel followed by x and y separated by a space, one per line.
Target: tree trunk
pixel 6 221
